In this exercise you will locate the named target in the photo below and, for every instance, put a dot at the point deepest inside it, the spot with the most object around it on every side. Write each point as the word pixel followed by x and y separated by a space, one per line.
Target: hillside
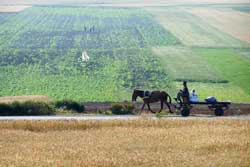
pixel 41 51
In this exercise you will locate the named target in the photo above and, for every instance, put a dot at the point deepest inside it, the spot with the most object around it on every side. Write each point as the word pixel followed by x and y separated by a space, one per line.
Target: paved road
pixel 126 117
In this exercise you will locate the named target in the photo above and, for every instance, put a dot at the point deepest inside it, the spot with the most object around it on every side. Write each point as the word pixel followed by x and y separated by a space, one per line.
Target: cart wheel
pixel 185 111
pixel 219 111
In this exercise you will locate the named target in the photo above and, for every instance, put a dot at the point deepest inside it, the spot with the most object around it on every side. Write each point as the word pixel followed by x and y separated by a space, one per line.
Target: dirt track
pixel 234 109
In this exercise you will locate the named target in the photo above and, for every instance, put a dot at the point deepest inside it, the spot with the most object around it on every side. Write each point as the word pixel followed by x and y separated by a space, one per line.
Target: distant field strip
pixel 10 9
pixel 122 3
pixel 242 8
pixel 192 30
pixel 229 21
pixel 183 64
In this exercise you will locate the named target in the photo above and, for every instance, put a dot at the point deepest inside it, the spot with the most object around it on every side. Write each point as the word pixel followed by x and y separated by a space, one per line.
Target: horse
pixel 152 97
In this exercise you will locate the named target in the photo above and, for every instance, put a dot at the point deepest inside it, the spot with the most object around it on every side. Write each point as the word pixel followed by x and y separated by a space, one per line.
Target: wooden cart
pixel 218 107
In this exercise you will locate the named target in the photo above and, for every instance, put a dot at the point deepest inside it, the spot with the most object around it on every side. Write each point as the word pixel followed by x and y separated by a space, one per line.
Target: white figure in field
pixel 193 97
pixel 84 57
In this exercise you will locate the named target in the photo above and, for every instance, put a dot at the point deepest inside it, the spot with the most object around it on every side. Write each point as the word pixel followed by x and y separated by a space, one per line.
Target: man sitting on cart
pixel 193 97
pixel 183 95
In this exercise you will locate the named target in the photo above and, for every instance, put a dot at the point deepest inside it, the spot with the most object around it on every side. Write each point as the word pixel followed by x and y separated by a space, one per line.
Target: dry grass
pixel 10 99
pixel 10 9
pixel 125 143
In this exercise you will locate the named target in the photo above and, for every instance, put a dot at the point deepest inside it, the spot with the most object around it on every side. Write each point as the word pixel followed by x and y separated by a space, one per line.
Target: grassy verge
pixel 125 143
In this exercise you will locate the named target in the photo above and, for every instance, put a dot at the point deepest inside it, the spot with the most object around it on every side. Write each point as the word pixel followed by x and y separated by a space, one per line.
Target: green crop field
pixel 183 64
pixel 231 65
pixel 223 73
pixel 42 51
pixel 209 54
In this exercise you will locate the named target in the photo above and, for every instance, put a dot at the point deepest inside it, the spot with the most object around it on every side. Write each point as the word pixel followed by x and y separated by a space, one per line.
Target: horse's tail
pixel 170 100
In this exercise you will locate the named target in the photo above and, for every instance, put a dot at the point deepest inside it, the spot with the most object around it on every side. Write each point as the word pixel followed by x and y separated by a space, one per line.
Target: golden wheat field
pixel 132 143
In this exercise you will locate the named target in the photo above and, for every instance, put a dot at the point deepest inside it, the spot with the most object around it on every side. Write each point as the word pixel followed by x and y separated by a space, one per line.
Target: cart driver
pixel 183 95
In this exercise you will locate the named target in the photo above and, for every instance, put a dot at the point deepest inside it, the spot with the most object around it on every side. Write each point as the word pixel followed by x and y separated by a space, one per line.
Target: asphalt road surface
pixel 124 117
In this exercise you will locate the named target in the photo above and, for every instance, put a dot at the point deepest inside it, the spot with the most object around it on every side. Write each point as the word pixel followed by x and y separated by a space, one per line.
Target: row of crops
pixel 41 47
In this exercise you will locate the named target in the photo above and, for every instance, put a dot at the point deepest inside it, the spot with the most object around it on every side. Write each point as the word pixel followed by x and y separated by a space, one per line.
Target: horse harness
pixel 147 93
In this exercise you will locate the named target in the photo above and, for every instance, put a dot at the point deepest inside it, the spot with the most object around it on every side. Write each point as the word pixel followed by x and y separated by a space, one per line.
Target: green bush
pixel 5 109
pixel 122 109
pixel 130 107
pixel 70 105
pixel 26 108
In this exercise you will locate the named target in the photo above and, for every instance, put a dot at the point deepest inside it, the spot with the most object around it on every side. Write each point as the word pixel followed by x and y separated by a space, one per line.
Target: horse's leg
pixel 142 108
pixel 161 106
pixel 150 108
pixel 168 106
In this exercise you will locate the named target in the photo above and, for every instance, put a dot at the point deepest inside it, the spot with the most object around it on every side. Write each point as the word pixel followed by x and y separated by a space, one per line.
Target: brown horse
pixel 151 97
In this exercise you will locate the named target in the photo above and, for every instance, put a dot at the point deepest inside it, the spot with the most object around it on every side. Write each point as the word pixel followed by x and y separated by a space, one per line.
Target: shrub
pixel 122 109
pixel 32 108
pixel 130 107
pixel 117 108
pixel 70 105
pixel 5 109
pixel 27 108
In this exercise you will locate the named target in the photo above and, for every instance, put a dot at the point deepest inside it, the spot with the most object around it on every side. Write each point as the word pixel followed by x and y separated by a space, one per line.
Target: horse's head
pixel 134 96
